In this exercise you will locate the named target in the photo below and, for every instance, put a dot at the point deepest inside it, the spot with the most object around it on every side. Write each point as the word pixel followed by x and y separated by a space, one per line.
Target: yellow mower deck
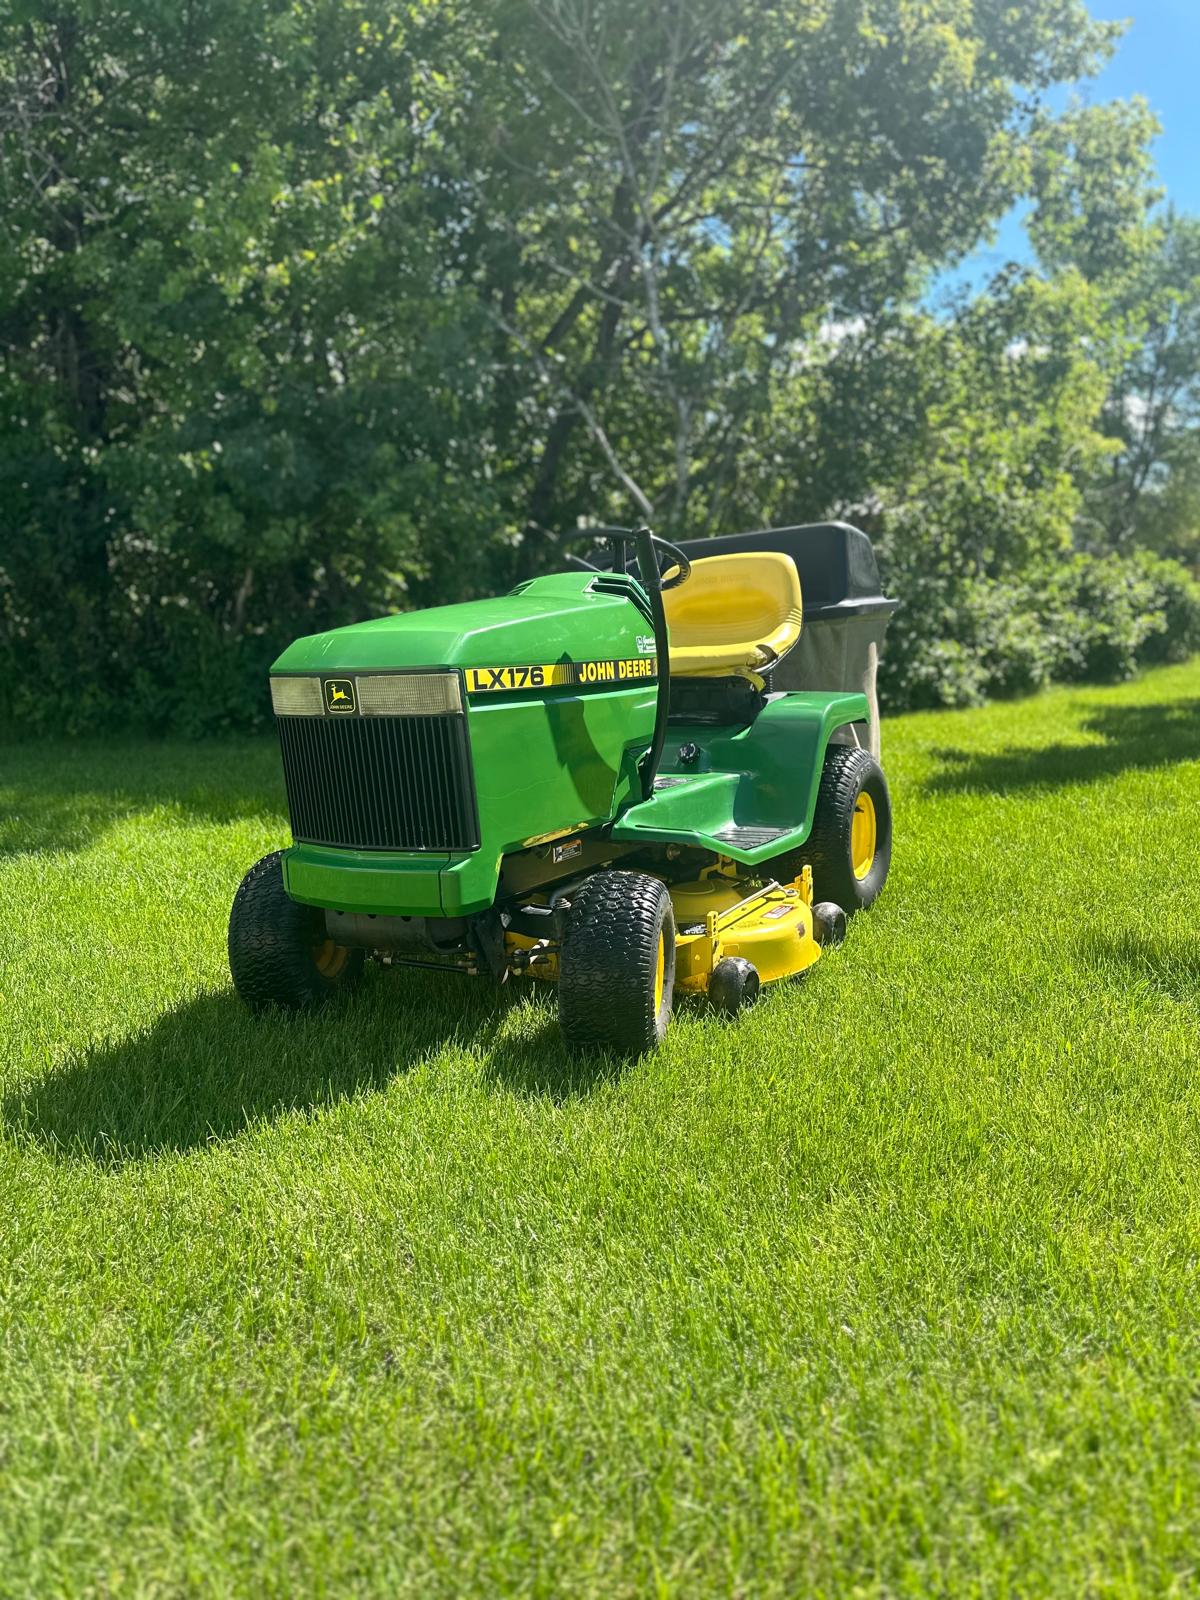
pixel 770 926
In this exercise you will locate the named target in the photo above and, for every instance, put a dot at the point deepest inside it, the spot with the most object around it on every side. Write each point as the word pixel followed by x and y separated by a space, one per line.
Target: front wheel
pixel 279 951
pixel 616 977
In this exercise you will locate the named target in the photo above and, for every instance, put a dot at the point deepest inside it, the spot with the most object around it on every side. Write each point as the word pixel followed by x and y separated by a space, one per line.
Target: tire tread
pixel 271 939
pixel 607 963
pixel 847 771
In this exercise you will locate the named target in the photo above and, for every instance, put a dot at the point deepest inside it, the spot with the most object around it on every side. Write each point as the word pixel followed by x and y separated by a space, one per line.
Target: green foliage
pixel 1099 612
pixel 1150 493
pixel 218 426
pixel 1087 619
pixel 1175 597
pixel 310 311
pixel 1008 393
pixel 1092 173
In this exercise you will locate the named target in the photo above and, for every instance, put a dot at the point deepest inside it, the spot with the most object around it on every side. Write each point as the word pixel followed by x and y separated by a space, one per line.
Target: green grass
pixel 890 1288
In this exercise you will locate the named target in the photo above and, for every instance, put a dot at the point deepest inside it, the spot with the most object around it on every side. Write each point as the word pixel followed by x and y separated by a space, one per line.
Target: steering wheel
pixel 674 557
pixel 666 555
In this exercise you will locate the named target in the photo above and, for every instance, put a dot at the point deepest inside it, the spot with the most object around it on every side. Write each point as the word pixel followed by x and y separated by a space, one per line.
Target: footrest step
pixel 749 838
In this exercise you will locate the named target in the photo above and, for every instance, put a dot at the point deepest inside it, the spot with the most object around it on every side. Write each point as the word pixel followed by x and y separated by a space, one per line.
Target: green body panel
pixel 562 759
pixel 369 881
pixel 545 761
pixel 763 776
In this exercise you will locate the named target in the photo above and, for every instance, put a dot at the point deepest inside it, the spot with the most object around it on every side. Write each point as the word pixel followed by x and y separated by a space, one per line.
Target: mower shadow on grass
pixel 206 1071
pixel 1135 737
pixel 56 797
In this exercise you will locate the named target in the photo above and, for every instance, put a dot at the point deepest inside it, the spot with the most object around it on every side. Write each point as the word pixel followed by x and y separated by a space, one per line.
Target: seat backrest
pixel 749 600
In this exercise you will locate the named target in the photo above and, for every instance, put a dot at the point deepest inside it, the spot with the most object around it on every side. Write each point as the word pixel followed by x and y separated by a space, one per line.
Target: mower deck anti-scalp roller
pixel 634 780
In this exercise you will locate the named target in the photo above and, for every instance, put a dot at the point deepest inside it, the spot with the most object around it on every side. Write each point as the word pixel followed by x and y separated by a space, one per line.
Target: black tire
pixel 733 985
pixel 847 775
pixel 610 993
pixel 279 951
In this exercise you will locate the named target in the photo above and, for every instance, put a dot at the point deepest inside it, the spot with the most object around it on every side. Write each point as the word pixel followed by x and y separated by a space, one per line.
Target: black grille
pixel 380 783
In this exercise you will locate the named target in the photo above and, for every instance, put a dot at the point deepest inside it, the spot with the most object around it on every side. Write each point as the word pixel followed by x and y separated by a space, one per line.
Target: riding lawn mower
pixel 637 778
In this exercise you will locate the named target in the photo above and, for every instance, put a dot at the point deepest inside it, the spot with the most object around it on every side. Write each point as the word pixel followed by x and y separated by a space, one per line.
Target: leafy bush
pixel 1177 597
pixel 958 642
pixel 1098 614
pixel 1094 619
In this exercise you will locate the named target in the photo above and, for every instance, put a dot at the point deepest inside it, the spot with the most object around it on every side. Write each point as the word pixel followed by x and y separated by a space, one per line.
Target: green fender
pixel 743 782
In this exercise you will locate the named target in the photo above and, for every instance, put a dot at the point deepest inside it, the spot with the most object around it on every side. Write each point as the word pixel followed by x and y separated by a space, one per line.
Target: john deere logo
pixel 339 694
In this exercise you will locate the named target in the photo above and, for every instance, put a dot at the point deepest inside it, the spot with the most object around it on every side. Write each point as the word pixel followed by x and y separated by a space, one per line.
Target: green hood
pixel 577 616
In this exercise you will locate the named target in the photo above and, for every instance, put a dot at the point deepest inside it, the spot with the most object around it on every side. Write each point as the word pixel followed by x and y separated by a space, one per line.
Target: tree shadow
pixel 1169 965
pixel 204 1071
pixel 60 796
pixel 1136 737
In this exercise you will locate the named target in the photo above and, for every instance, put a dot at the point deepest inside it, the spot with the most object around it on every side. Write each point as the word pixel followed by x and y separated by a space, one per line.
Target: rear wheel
pixel 279 951
pixel 850 846
pixel 616 978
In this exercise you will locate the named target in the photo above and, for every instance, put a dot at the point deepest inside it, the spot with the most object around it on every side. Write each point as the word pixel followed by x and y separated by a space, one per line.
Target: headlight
pixel 297 697
pixel 410 694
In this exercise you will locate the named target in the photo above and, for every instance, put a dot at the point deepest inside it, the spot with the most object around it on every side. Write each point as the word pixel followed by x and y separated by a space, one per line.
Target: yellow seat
pixel 735 615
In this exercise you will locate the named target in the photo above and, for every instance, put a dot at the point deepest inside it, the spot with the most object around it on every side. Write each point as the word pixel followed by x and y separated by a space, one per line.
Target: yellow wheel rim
pixel 660 973
pixel 330 958
pixel 862 836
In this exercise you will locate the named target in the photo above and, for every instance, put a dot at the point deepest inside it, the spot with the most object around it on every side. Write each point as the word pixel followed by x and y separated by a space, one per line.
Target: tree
pixel 668 205
pixel 316 308
pixel 1149 494
pixel 219 422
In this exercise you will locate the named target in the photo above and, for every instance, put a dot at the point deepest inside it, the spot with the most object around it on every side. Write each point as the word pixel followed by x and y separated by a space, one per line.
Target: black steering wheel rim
pixel 677 556
pixel 620 538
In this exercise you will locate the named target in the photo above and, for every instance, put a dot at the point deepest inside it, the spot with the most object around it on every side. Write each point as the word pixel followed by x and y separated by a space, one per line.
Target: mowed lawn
pixel 888 1288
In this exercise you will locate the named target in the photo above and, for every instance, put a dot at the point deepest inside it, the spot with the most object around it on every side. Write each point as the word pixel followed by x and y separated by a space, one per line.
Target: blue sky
pixel 1159 58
